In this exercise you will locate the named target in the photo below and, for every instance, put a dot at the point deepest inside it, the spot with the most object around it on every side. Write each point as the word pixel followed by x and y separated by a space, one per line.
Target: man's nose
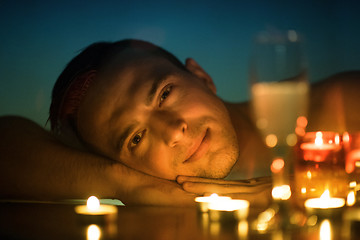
pixel 170 128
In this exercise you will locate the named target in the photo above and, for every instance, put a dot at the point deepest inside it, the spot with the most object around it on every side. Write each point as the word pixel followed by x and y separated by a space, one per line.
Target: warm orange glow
pixel 325 201
pixel 346 137
pixel 308 174
pixel 93 232
pixel 352 184
pixel 337 139
pixel 352 159
pixel 301 124
pixel 204 202
pixel 93 207
pixel 325 230
pixel 93 203
pixel 319 140
pixel 302 121
pixel 282 192
pixel 277 165
pixel 300 131
pixel 351 199
pixel 326 195
pixel 271 140
pixel 291 139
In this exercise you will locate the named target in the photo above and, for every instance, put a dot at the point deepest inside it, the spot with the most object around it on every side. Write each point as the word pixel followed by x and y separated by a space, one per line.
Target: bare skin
pixel 36 165
pixel 333 107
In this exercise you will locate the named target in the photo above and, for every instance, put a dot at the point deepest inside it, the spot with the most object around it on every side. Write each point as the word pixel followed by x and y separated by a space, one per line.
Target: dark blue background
pixel 37 39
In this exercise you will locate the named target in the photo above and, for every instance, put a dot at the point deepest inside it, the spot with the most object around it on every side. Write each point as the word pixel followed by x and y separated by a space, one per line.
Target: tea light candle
pixel 93 211
pixel 325 205
pixel 229 210
pixel 93 207
pixel 202 203
pixel 325 202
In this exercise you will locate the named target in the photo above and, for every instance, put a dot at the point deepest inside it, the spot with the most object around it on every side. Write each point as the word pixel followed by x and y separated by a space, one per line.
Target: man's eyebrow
pixel 123 136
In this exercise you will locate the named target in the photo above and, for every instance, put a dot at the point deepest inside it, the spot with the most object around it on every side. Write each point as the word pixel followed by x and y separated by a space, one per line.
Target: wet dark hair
pixel 73 82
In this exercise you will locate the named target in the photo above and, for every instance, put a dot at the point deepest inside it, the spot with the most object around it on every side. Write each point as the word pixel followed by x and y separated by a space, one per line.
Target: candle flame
pixel 214 195
pixel 351 200
pixel 93 203
pixel 325 195
pixel 319 140
pixel 325 201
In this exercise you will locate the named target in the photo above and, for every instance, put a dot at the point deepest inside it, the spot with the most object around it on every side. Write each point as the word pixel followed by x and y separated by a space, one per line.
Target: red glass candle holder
pixel 320 166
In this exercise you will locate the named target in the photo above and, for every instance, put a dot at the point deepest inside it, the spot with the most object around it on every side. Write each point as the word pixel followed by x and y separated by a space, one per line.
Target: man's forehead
pixel 125 78
pixel 121 88
pixel 133 70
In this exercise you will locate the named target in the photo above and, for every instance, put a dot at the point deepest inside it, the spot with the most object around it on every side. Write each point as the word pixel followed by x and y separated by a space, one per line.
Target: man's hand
pixel 143 189
pixel 257 190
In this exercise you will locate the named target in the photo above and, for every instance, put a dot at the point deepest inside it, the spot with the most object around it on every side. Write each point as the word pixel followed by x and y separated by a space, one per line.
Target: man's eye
pixel 165 94
pixel 136 139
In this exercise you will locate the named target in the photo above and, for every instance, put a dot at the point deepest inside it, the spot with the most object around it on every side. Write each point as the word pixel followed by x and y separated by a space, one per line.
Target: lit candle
pixel 94 211
pixel 325 205
pixel 318 150
pixel 230 209
pixel 203 202
pixel 325 202
pixel 320 166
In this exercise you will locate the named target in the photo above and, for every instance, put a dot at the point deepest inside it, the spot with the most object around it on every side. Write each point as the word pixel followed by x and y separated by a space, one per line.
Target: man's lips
pixel 199 149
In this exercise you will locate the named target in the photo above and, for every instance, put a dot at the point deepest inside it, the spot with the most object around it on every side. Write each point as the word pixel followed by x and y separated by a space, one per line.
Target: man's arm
pixel 35 165
pixel 334 103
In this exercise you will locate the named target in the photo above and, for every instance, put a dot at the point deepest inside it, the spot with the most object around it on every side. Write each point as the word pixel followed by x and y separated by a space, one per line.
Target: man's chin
pixel 214 173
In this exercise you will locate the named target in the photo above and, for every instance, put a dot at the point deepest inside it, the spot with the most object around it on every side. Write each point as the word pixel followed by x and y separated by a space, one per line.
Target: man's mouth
pixel 199 149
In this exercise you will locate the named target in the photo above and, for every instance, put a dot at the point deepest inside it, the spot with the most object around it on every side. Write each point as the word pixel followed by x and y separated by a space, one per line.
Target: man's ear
pixel 195 68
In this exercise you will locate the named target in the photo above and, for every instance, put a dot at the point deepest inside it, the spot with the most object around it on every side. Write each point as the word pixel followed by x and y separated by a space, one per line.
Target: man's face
pixel 157 118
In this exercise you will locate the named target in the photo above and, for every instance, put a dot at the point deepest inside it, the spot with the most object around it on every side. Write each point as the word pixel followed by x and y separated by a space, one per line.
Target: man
pixel 128 116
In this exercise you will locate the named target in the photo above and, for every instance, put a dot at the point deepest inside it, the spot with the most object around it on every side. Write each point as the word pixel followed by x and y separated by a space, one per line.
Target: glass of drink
pixel 279 97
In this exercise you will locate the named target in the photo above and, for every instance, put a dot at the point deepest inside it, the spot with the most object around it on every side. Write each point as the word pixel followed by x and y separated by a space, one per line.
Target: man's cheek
pixel 161 162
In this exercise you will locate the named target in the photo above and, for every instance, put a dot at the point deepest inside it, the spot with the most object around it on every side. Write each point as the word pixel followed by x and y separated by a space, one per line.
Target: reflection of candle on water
pixel 93 232
pixel 324 202
pixel 325 230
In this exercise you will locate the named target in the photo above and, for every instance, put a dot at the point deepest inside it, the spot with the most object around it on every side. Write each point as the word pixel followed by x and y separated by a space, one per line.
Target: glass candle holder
pixel 351 143
pixel 320 166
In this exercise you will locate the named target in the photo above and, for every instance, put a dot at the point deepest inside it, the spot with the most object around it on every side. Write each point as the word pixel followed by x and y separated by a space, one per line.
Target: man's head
pixel 136 103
